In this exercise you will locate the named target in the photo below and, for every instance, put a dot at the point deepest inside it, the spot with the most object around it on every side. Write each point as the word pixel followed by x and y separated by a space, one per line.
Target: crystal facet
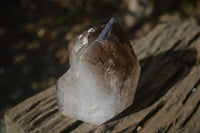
pixel 103 75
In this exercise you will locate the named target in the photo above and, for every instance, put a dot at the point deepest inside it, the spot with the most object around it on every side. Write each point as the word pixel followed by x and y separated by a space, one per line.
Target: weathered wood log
pixel 167 99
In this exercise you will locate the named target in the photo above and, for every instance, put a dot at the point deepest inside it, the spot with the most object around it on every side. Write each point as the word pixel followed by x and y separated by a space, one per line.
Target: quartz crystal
pixel 103 75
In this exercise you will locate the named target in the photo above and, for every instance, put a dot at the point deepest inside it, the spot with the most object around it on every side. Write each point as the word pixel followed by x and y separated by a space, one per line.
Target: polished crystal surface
pixel 103 75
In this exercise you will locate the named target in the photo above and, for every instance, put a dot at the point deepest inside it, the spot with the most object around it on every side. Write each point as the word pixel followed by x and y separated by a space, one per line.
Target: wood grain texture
pixel 167 99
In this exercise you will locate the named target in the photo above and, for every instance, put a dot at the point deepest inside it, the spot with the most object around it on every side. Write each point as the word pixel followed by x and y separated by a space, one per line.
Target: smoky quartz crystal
pixel 103 75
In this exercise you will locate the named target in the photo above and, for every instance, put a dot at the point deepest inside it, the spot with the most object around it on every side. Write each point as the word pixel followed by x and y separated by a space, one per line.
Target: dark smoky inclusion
pixel 111 52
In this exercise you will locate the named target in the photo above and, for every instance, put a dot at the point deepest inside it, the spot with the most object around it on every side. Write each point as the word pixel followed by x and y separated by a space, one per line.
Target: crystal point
pixel 103 75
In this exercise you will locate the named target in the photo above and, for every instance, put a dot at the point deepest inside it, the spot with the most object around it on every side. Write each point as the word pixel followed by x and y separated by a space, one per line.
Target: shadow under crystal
pixel 158 74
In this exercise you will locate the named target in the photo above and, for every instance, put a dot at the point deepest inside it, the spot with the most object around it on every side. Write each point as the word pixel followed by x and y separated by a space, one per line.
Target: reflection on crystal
pixel 103 75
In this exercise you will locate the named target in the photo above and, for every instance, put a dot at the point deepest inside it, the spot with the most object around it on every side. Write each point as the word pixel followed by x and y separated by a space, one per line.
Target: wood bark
pixel 167 99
